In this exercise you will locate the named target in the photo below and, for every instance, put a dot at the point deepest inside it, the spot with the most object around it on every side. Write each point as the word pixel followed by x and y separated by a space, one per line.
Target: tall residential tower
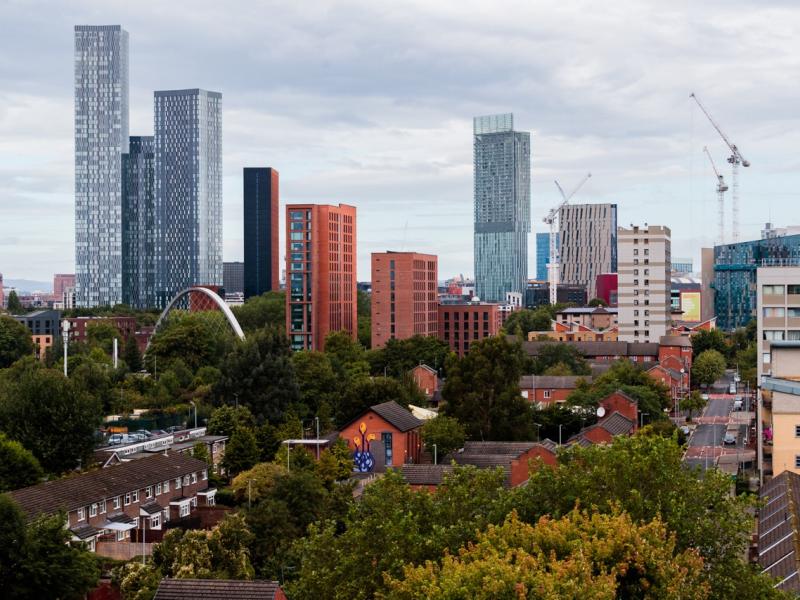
pixel 101 137
pixel 138 223
pixel 188 178
pixel 502 187
pixel 261 199
pixel 587 241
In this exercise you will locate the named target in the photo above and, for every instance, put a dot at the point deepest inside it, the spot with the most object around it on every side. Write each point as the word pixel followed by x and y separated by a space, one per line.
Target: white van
pixel 732 388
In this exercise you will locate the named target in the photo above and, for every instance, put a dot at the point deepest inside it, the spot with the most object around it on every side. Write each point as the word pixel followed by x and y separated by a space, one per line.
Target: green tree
pixel 335 463
pixel 131 354
pixel 37 559
pixel 446 433
pixel 398 357
pixel 200 452
pixel 365 392
pixel 101 334
pixel 266 310
pixel 595 302
pixel 561 356
pixel 708 367
pixel 18 466
pixel 137 581
pixel 558 422
pixel 254 484
pixel 15 341
pixel 693 403
pixel 482 391
pixel 14 305
pixel 226 419
pixel 348 358
pixel 364 304
pixel 48 414
pixel 198 339
pixel 526 320
pixel 709 339
pixel 259 371
pixel 365 331
pixel 581 555
pixel 316 381
pixel 241 451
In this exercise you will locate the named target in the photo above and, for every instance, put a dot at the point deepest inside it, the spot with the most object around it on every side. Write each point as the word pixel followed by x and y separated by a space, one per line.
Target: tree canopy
pixel 15 341
pixel 18 466
pixel 708 367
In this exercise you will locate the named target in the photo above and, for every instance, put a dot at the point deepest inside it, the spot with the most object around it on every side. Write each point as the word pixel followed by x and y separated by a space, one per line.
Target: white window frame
pixel 158 489
pixel 185 510
pixel 93 510
pixel 185 480
pixel 166 486
pixel 127 499
pixel 117 501
pixel 194 477
pixel 121 535
pixel 205 475
pixel 148 491
pixel 102 506
pixel 546 394
pixel 155 521
pixel 135 495
pixel 81 514
pixel 177 483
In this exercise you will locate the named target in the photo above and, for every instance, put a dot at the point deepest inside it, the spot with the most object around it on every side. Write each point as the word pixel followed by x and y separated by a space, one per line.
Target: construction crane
pixel 722 187
pixel 735 159
pixel 550 220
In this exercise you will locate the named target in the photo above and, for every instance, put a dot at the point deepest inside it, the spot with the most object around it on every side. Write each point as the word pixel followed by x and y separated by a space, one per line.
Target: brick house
pixel 218 589
pixel 544 390
pixel 179 441
pixel 427 380
pixel 78 326
pixel 389 432
pixel 622 403
pixel 604 431
pixel 106 504
pixel 513 457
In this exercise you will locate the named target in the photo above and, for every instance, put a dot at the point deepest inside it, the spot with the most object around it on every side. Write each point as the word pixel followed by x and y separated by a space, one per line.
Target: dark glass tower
pixel 261 200
pixel 138 224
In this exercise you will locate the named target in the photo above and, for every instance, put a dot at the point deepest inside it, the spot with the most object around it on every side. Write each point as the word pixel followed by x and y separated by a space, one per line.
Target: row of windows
pixel 792 312
pixel 779 290
pixel 777 335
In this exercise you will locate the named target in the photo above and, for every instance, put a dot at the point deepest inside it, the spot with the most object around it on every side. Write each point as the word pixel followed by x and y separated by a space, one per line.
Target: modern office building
pixel 320 273
pixel 682 266
pixel 502 191
pixel 537 294
pixel 233 277
pixel 464 324
pixel 101 137
pixel 543 255
pixel 188 177
pixel 587 243
pixel 261 200
pixel 778 310
pixel 138 223
pixel 734 283
pixel 404 299
pixel 643 283
pixel 770 231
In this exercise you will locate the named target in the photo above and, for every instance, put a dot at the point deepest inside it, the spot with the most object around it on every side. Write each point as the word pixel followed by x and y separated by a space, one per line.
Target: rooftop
pixel 565 382
pixel 217 589
pixel 425 474
pixel 397 415
pixel 777 536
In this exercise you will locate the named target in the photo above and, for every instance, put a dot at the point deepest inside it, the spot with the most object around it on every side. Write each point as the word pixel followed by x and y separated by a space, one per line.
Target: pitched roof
pixel 675 340
pixel 426 367
pixel 80 490
pixel 397 415
pixel 603 348
pixel 425 474
pixel 565 382
pixel 216 589
pixel 616 424
pixel 777 536
pixel 512 449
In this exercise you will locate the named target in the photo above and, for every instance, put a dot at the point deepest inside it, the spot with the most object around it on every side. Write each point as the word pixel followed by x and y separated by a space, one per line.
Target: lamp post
pixel 65 330
pixel 316 420
pixel 680 393
pixel 435 455
pixel 559 433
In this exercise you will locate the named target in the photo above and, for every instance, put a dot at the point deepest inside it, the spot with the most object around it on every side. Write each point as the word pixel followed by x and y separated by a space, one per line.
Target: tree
pixel 241 451
pixel 364 304
pixel 364 392
pixel 335 463
pixel 398 357
pixel 14 305
pixel 200 452
pixel 48 414
pixel 482 391
pixel 15 341
pixel 446 433
pixel 348 359
pixel 131 354
pixel 198 339
pixel 365 331
pixel 558 422
pixel 595 302
pixel 581 555
pixel 693 403
pixel 259 371
pixel 526 320
pixel 18 466
pixel 266 310
pixel 708 367
pixel 254 484
pixel 316 381
pixel 709 339
pixel 562 356
pixel 37 559
pixel 226 419
pixel 101 334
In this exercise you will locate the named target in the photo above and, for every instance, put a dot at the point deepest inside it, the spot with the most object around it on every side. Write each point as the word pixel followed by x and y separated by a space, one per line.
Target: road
pixel 705 443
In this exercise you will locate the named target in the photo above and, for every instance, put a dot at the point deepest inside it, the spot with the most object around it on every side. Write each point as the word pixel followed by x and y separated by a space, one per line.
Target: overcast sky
pixel 371 103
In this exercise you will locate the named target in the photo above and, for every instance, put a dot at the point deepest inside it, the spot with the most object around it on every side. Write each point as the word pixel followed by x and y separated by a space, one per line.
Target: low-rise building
pixel 179 441
pixel 45 328
pixel 463 324
pixel 78 326
pixel 514 457
pixel 219 589
pixel 593 317
pixel 428 382
pixel 385 435
pixel 544 390
pixel 778 535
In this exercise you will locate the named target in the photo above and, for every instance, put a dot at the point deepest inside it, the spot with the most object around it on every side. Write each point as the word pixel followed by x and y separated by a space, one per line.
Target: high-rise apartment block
pixel 543 255
pixel 643 283
pixel 587 241
pixel 101 137
pixel 138 223
pixel 404 296
pixel 320 273
pixel 261 200
pixel 233 277
pixel 777 309
pixel 188 194
pixel 502 212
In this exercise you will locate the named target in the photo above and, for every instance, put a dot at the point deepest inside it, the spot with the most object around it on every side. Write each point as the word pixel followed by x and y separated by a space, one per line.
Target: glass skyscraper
pixel 543 255
pixel 502 186
pixel 188 194
pixel 138 223
pixel 101 137
pixel 261 271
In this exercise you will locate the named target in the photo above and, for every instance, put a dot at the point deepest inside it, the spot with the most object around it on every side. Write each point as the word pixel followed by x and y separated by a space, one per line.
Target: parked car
pixel 143 432
pixel 116 439
pixel 729 439
pixel 685 429
pixel 704 396
pixel 737 403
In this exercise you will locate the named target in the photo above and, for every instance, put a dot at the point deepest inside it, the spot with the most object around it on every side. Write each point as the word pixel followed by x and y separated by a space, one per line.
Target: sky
pixel 371 103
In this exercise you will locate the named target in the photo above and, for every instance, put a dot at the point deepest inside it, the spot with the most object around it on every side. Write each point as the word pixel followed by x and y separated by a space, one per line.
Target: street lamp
pixel 65 330
pixel 435 455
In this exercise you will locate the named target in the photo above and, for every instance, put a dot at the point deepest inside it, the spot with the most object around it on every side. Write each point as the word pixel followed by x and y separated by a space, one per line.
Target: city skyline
pixel 398 147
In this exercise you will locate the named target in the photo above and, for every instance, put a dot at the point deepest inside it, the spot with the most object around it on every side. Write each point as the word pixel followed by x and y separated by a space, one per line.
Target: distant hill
pixel 28 285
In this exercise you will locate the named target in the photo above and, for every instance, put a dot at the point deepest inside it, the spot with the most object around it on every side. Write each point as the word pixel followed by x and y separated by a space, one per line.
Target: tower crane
pixel 550 220
pixel 735 159
pixel 722 187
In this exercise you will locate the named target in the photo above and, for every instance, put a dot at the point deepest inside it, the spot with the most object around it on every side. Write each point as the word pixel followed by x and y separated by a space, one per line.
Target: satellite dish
pixel 601 412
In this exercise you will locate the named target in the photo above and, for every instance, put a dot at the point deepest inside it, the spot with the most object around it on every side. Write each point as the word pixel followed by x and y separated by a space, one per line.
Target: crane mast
pixel 722 187
pixel 735 159
pixel 553 266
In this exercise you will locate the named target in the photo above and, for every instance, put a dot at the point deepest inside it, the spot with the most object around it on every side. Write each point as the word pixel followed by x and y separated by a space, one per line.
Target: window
pixel 194 477
pixel 185 509
pixel 386 438
pixel 646 251
pixel 797 431
pixel 136 496
pixel 117 502
pixel 766 358
pixel 121 535
pixel 793 335
pixel 793 313
pixel 158 489
pixel 185 480
pixel 166 486
pixel 102 506
pixel 793 289
pixel 635 313
pixel 546 393
pixel 772 290
pixel 177 483
pixel 93 510
pixel 155 521
pixel 148 491
pixel 636 252
pixel 636 271
pixel 81 514
pixel 205 475
pixel 775 312
pixel 797 461
pixel 127 499
pixel 773 335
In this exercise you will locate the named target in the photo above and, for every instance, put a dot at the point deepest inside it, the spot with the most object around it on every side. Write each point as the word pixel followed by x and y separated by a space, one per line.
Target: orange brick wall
pixel 459 332
pixel 406 447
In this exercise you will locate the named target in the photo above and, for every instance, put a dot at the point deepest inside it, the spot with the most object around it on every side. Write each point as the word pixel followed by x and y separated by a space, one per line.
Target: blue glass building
pixel 138 224
pixel 543 255
pixel 735 275
pixel 502 192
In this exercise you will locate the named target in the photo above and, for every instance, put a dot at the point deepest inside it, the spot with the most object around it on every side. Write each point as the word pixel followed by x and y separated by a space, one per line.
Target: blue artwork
pixel 363 461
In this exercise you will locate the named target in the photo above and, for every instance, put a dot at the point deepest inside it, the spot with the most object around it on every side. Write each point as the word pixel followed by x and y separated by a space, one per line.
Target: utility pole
pixel 435 455
pixel 65 330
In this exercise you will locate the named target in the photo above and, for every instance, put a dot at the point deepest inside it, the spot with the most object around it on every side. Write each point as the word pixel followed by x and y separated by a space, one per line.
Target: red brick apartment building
pixel 405 299
pixel 78 326
pixel 463 324
pixel 104 505
pixel 320 273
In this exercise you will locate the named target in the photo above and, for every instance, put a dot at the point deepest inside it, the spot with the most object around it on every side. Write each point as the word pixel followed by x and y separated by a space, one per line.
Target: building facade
pixel 261 201
pixel 643 280
pixel 188 178
pixel 61 281
pixel 734 283
pixel 587 238
pixel 538 294
pixel 45 328
pixel 461 325
pixel 233 277
pixel 502 211
pixel 320 273
pixel 543 255
pixel 404 296
pixel 682 266
pixel 778 311
pixel 138 223
pixel 101 137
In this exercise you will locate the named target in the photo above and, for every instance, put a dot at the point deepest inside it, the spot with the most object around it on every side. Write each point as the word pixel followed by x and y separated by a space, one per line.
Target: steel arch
pixel 226 310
